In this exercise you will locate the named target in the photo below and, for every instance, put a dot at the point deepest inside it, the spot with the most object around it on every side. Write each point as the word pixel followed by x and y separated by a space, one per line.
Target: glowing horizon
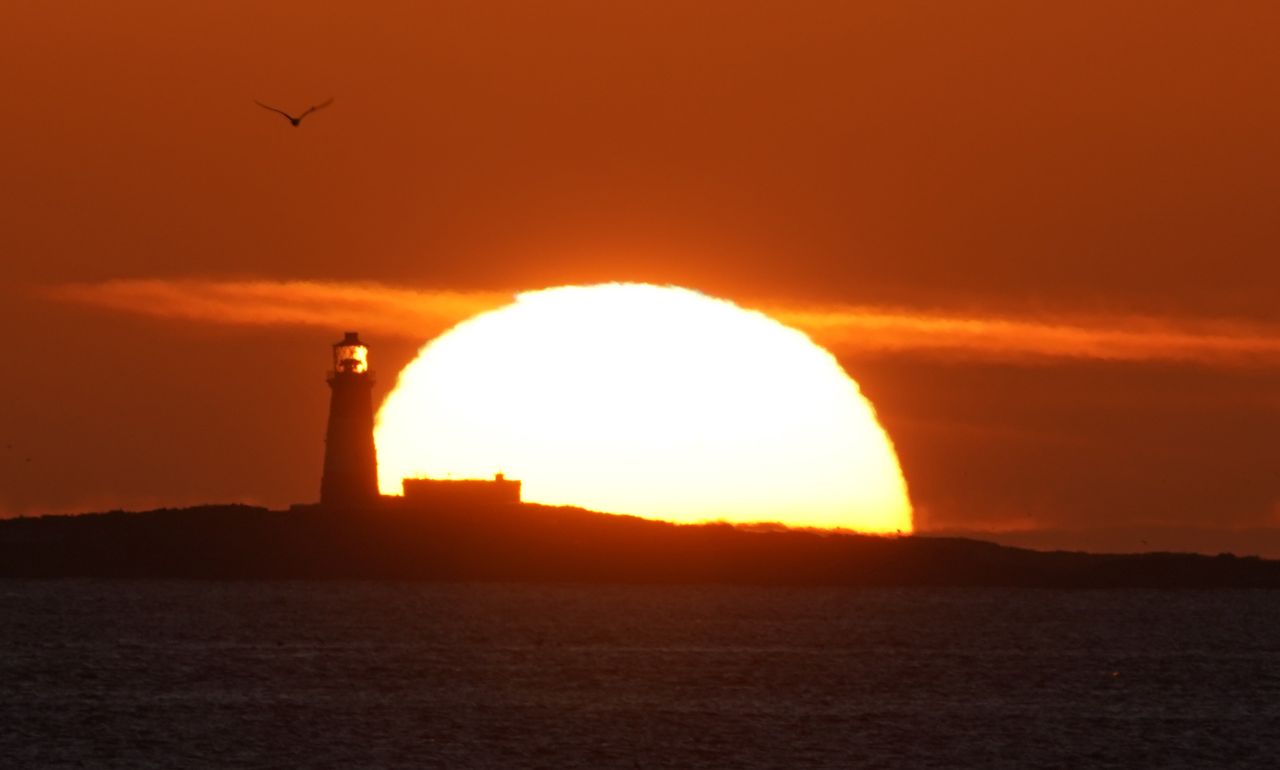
pixel 654 401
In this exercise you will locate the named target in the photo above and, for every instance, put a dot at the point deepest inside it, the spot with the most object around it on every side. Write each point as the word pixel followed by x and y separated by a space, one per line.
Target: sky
pixel 1041 236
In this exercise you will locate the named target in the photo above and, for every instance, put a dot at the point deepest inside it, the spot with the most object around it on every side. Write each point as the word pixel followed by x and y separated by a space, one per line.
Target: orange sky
pixel 1105 165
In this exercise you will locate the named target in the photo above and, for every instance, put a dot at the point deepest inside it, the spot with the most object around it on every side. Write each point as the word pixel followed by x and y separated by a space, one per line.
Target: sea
pixel 144 674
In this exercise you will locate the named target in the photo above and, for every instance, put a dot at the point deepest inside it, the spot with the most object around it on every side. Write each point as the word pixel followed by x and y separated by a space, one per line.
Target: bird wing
pixel 274 109
pixel 315 107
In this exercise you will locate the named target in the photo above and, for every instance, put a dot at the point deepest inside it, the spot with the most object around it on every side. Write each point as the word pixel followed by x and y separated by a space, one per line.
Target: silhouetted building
pixel 460 493
pixel 350 459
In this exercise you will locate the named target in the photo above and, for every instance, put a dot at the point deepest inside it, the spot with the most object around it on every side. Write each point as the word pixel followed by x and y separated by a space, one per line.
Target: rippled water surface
pixel 151 674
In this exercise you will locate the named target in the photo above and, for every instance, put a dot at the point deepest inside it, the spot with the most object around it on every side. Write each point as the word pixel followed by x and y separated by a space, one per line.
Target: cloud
pixel 872 331
pixel 846 330
pixel 368 306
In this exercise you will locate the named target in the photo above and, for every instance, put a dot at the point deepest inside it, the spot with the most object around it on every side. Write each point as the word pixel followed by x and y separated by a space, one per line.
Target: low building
pixel 461 493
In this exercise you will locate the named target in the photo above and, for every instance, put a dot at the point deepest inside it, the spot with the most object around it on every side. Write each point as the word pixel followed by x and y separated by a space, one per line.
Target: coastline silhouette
pixel 478 529
pixel 525 542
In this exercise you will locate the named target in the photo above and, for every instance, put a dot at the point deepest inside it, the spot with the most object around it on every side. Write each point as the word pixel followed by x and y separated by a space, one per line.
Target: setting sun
pixel 654 401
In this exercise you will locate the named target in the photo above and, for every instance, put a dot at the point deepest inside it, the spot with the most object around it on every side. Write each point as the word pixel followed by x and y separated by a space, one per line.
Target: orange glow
pixel 654 401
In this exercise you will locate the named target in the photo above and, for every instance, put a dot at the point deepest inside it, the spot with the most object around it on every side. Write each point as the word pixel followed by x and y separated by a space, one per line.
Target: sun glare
pixel 654 401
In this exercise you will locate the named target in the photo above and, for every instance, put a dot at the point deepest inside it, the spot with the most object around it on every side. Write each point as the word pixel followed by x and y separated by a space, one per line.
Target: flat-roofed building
pixel 461 493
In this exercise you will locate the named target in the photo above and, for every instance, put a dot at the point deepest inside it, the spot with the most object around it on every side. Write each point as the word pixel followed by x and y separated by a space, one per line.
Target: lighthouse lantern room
pixel 350 355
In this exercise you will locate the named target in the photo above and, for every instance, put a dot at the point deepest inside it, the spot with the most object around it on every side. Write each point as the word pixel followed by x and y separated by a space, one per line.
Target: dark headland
pixel 479 530
pixel 527 542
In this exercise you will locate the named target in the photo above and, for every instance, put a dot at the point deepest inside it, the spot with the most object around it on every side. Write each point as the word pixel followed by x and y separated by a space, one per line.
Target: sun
pixel 649 400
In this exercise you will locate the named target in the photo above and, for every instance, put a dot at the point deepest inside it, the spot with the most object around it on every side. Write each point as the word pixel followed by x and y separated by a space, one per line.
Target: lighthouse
pixel 350 459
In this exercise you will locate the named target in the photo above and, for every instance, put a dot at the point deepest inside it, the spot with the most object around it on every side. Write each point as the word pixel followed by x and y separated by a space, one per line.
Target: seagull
pixel 292 120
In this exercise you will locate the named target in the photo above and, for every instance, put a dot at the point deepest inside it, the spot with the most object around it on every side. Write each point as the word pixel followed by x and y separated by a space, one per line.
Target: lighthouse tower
pixel 350 460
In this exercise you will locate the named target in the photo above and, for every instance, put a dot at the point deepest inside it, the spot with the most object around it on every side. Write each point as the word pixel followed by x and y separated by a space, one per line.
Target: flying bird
pixel 292 120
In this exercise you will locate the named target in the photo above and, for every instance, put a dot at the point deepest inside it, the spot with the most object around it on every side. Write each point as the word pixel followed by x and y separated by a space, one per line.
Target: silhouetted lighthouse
pixel 350 460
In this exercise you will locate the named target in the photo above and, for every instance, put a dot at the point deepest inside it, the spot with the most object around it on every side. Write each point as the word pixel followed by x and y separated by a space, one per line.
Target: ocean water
pixel 341 675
